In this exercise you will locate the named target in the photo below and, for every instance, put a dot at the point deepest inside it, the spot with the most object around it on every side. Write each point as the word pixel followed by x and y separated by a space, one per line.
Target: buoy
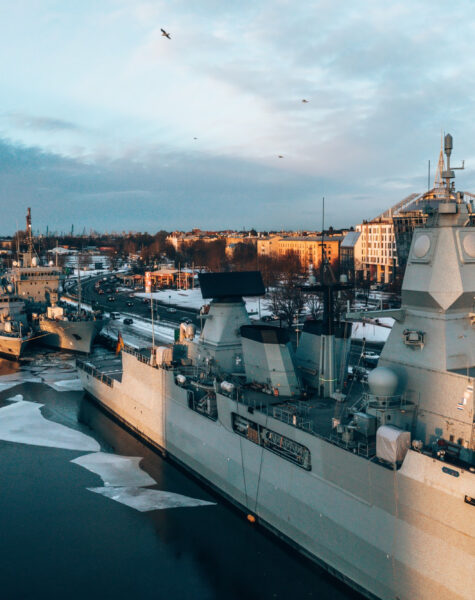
pixel 251 518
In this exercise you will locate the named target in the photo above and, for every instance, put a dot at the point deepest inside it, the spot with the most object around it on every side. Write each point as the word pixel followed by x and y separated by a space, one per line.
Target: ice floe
pixel 66 385
pixel 115 470
pixel 17 398
pixel 144 499
pixel 22 422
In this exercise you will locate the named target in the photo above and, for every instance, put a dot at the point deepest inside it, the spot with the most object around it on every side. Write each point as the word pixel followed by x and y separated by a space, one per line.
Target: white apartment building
pixel 378 249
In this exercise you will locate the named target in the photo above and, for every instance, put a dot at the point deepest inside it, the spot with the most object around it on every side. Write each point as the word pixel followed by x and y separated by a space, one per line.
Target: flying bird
pixel 281 156
pixel 305 101
pixel 165 34
pixel 195 138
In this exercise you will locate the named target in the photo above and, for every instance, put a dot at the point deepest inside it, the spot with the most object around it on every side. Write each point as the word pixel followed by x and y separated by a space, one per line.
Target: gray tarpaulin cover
pixel 392 443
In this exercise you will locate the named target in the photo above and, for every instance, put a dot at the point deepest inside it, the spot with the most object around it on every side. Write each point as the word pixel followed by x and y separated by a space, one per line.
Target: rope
pixel 260 465
pixel 242 456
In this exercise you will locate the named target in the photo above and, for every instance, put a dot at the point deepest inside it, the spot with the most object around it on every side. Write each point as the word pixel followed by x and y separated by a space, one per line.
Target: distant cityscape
pixel 373 252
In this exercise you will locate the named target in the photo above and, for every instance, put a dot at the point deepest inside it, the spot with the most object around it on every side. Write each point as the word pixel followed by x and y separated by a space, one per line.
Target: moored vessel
pixel 377 485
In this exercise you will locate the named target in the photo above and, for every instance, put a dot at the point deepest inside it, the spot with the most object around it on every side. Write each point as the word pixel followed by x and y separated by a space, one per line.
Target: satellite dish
pixel 51 263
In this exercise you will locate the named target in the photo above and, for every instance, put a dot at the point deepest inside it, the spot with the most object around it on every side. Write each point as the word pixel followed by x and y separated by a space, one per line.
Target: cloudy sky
pixel 106 124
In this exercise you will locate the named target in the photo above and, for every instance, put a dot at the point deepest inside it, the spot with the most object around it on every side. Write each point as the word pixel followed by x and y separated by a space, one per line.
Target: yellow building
pixel 307 248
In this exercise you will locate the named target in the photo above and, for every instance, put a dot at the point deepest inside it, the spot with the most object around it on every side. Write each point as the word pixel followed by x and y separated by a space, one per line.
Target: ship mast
pixel 29 236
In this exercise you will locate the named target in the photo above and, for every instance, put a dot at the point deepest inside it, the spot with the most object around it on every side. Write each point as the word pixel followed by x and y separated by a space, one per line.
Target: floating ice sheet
pixel 6 385
pixel 17 398
pixel 115 470
pixel 22 422
pixel 144 499
pixel 66 385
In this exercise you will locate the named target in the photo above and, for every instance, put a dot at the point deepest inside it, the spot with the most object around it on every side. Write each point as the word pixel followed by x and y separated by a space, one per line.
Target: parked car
pixel 128 321
pixel 370 358
pixel 130 303
pixel 115 315
pixel 111 299
pixel 170 309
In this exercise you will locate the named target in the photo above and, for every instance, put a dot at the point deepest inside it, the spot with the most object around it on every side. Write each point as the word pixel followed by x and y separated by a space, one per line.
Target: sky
pixel 105 124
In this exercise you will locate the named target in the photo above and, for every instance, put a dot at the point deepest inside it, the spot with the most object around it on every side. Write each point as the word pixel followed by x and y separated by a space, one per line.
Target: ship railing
pixel 384 402
pixel 297 415
pixel 91 370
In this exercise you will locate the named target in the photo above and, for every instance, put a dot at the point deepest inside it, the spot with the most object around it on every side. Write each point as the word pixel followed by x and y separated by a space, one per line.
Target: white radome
pixel 469 244
pixel 382 381
pixel 421 246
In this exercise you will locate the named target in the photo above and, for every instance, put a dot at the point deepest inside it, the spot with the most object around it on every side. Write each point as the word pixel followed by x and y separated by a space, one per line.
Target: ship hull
pixel 389 534
pixel 76 336
pixel 12 347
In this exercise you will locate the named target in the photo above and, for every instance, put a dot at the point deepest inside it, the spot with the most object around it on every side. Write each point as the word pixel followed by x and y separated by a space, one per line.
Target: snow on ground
pixel 193 299
pixel 143 499
pixel 371 332
pixel 115 470
pixel 22 422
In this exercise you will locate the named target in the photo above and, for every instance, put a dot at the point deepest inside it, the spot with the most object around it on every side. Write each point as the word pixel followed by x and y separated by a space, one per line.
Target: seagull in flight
pixel 305 101
pixel 281 156
pixel 165 34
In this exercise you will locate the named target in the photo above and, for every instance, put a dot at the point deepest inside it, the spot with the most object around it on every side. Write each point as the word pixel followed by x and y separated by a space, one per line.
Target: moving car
pixel 170 309
pixel 128 321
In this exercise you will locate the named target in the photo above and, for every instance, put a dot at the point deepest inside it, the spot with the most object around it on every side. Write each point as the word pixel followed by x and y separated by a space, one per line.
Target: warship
pixel 39 286
pixel 378 487
pixel 15 332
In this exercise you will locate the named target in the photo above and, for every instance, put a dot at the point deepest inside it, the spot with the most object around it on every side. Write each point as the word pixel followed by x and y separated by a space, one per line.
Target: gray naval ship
pixel 15 331
pixel 39 286
pixel 379 489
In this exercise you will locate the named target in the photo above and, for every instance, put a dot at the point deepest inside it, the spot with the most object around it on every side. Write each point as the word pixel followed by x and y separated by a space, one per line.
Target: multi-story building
pixel 308 248
pixel 378 250
pixel 351 255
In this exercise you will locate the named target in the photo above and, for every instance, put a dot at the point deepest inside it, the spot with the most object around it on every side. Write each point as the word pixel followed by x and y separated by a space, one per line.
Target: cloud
pixel 22 121
pixel 382 80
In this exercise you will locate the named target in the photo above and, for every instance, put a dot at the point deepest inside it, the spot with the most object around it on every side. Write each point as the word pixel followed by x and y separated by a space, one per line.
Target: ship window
pixel 76 336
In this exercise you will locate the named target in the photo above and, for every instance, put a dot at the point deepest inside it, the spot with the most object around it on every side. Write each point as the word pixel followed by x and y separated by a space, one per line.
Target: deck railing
pixel 91 370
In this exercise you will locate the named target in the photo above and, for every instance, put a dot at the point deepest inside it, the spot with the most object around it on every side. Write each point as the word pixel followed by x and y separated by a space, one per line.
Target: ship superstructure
pixel 15 332
pixel 377 486
pixel 39 286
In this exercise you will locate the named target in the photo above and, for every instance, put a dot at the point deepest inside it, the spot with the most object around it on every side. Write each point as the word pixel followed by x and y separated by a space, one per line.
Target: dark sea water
pixel 60 540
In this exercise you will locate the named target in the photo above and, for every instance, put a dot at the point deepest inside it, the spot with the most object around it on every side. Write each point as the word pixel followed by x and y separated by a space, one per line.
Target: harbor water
pixel 66 534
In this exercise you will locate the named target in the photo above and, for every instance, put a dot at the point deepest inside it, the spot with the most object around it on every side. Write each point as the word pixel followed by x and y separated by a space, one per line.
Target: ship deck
pixel 311 413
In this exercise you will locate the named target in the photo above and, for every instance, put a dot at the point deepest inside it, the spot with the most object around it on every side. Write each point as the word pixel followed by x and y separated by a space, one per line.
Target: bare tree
pixel 314 305
pixel 288 300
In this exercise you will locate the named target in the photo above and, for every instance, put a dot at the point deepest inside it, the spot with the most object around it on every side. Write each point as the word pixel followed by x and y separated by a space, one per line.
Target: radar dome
pixel 15 263
pixel 382 381
pixel 34 261
pixel 51 263
pixel 10 288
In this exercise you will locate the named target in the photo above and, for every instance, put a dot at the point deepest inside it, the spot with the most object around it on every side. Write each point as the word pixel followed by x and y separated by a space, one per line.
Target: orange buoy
pixel 251 518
